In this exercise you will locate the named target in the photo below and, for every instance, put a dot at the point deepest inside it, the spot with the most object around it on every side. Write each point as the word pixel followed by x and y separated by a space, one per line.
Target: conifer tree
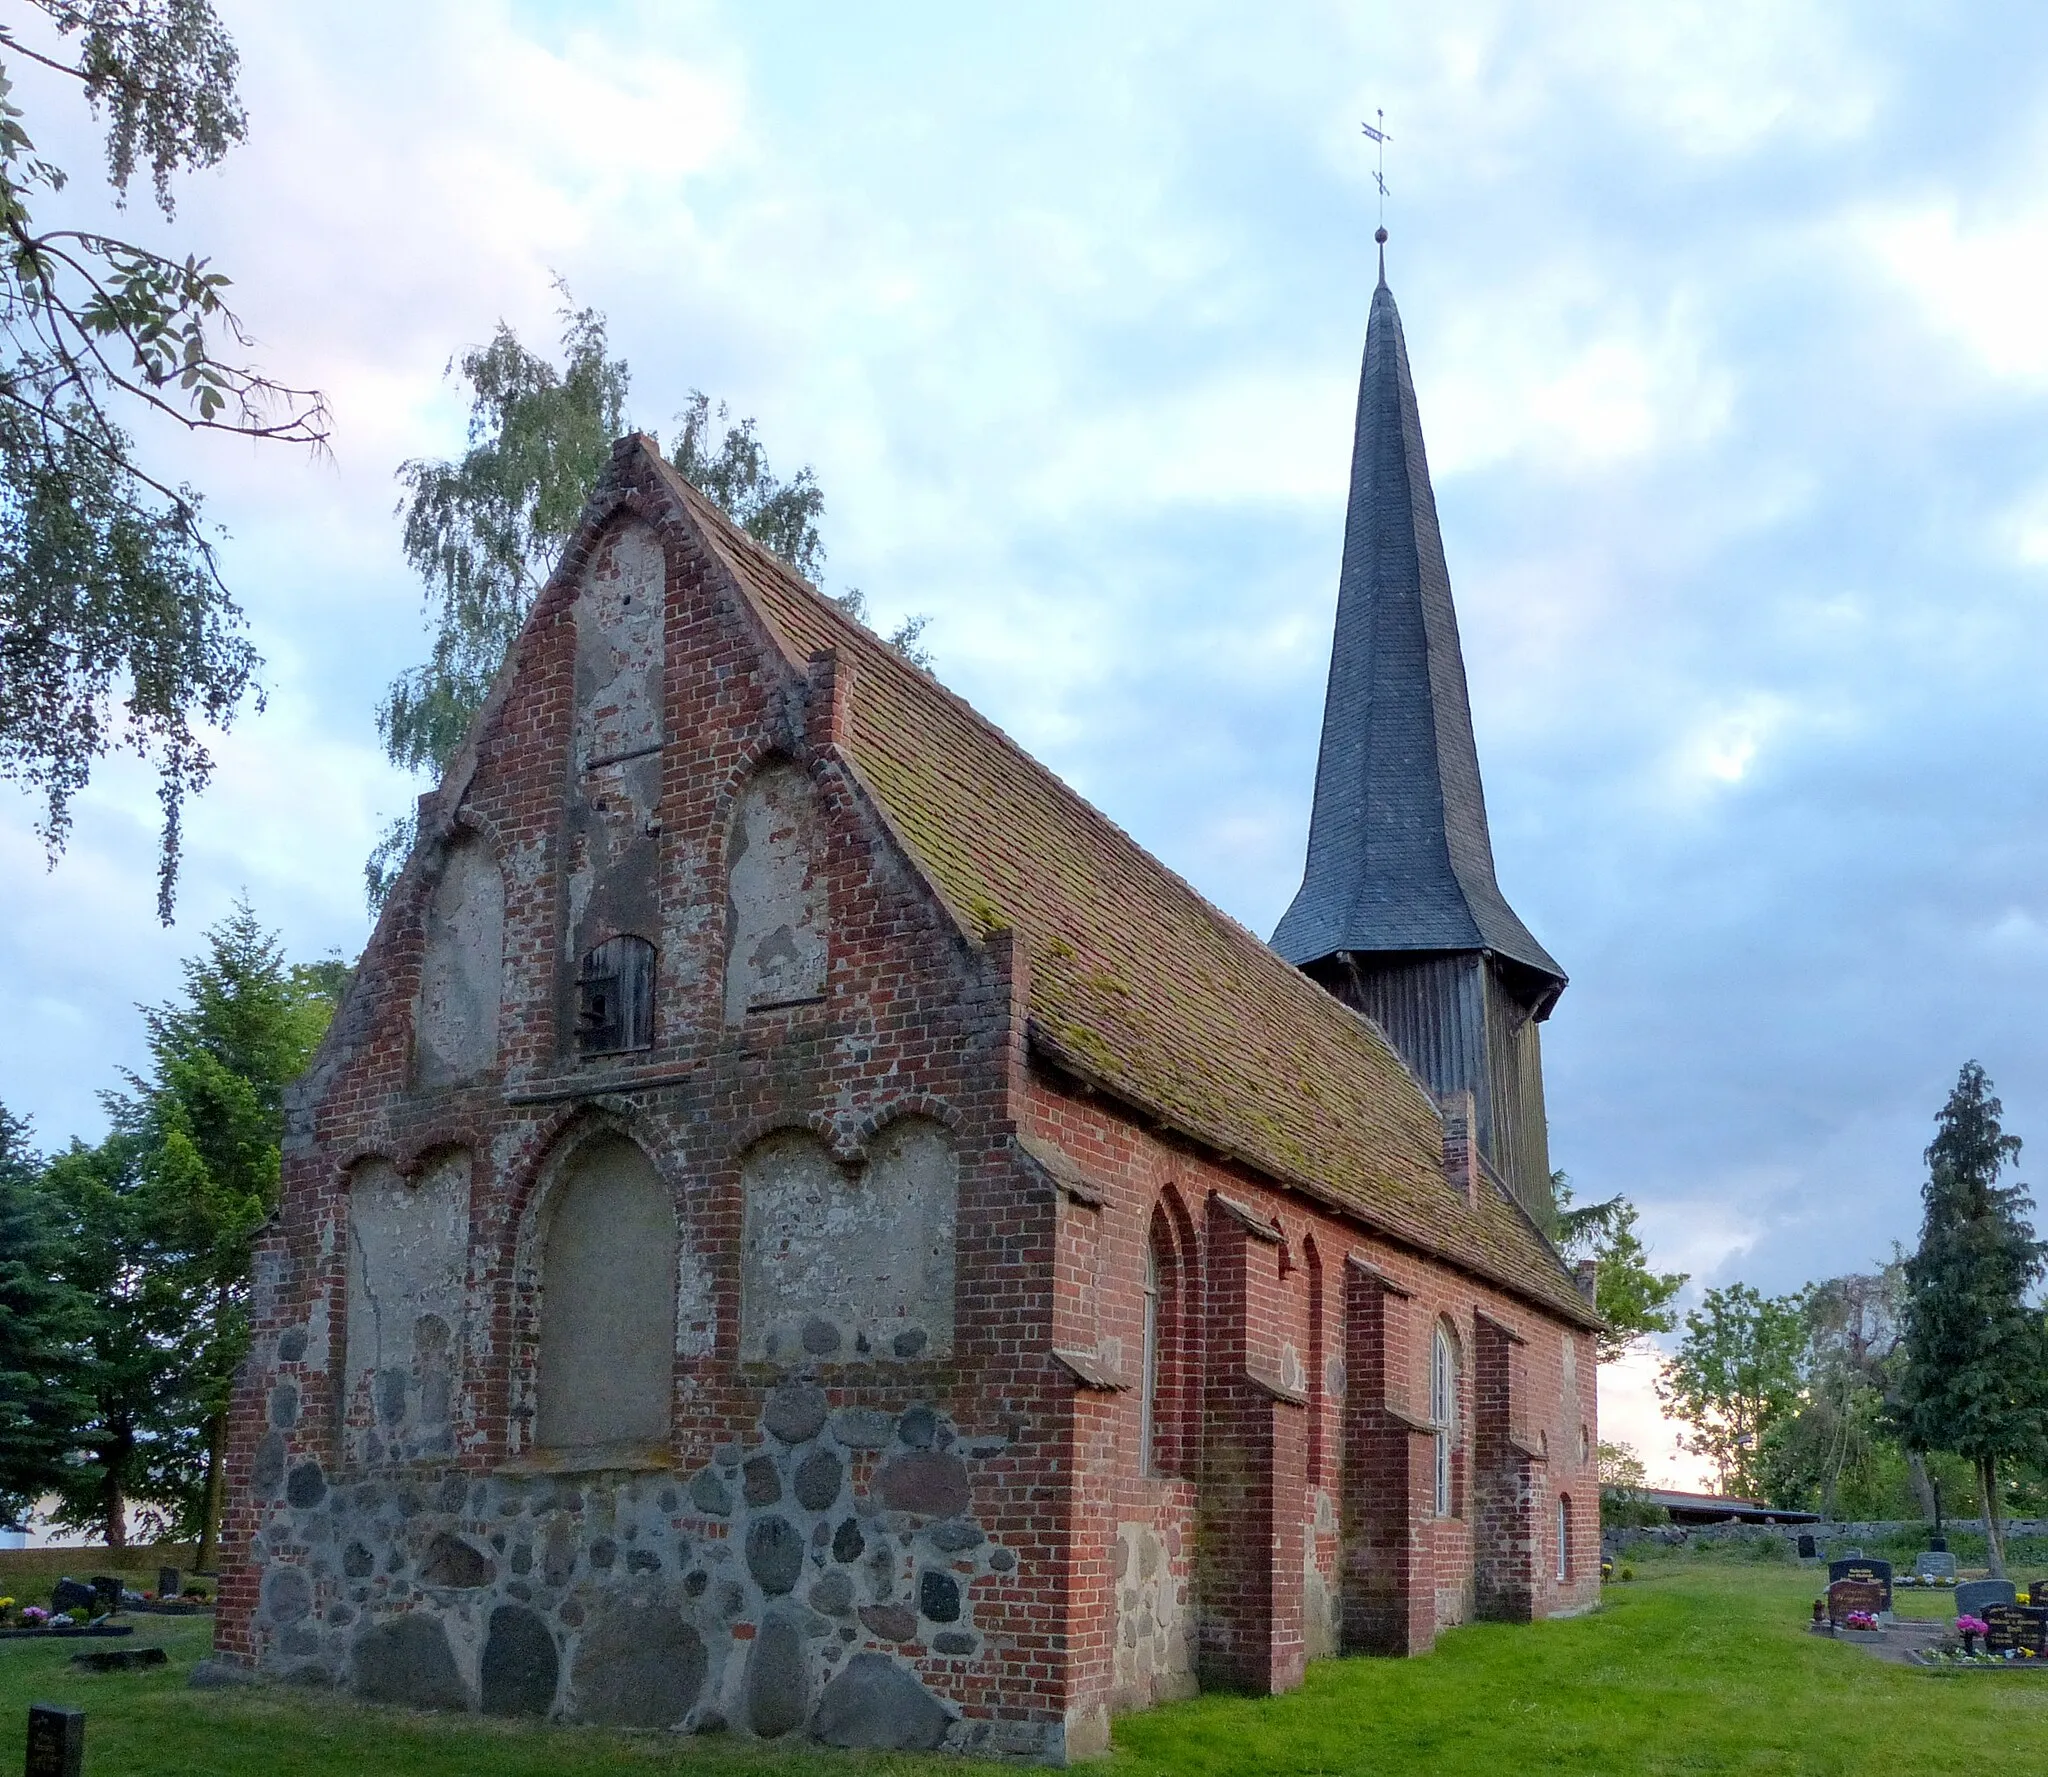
pixel 133 1444
pixel 159 1220
pixel 206 1129
pixel 1976 1370
pixel 42 1320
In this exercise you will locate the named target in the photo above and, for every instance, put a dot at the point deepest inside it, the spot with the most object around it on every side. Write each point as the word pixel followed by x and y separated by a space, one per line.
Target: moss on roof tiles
pixel 1138 984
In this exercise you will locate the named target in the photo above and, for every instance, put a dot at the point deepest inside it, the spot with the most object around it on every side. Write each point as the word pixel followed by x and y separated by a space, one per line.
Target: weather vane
pixel 1379 177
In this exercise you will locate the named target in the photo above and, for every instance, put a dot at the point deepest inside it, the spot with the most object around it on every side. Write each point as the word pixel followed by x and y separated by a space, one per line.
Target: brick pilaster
pixel 1389 1574
pixel 1254 1469
pixel 1506 1530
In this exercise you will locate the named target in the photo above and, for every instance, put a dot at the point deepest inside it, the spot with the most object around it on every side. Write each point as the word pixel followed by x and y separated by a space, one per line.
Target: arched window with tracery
pixel 1443 1414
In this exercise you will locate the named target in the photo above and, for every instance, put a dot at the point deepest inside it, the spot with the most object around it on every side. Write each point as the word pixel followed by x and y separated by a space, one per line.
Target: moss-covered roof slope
pixel 1137 984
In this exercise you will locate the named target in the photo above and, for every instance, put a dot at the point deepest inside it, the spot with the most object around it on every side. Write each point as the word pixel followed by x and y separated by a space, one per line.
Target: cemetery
pixel 1701 1662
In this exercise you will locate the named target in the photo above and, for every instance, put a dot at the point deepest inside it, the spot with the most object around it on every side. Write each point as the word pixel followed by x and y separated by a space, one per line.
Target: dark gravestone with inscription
pixel 169 1582
pixel 56 1741
pixel 1809 1550
pixel 1868 1570
pixel 1847 1597
pixel 2009 1626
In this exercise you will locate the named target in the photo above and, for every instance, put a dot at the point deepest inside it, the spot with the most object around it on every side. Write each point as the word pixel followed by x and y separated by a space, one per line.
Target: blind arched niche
pixel 607 1303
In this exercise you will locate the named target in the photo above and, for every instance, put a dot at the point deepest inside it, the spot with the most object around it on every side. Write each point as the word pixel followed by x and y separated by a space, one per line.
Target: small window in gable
pixel 615 997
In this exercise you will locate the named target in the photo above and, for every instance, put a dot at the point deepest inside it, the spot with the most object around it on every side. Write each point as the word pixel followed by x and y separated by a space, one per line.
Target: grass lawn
pixel 1693 1667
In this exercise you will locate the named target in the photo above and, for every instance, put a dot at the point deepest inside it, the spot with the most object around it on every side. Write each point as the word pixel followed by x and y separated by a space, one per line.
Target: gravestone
pixel 169 1582
pixel 2009 1626
pixel 56 1741
pixel 1867 1569
pixel 1809 1550
pixel 1975 1598
pixel 1939 1544
pixel 69 1594
pixel 106 1591
pixel 1935 1564
pixel 1848 1596
pixel 121 1659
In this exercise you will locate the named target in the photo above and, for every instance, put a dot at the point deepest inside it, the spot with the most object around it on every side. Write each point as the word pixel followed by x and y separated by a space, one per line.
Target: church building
pixel 802 1227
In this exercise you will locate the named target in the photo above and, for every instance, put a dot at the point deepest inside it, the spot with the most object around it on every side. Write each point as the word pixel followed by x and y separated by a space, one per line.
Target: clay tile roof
pixel 1138 986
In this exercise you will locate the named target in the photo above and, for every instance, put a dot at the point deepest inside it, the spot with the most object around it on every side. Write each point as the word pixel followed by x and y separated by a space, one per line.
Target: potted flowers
pixel 1969 1628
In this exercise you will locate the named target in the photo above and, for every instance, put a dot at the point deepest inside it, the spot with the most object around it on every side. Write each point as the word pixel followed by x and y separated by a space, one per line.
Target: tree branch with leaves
pixel 116 626
pixel 1634 1300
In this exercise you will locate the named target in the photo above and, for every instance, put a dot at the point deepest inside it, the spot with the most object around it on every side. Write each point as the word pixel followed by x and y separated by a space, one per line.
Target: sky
pixel 1726 325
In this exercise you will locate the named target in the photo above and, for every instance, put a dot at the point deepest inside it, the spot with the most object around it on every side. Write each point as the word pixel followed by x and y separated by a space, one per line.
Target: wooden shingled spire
pixel 1399 911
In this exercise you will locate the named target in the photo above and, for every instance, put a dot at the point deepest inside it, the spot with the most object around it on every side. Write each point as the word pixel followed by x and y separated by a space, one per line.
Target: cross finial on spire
pixel 1378 133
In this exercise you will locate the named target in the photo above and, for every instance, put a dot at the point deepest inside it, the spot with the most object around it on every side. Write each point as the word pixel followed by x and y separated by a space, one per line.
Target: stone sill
pixel 599 1459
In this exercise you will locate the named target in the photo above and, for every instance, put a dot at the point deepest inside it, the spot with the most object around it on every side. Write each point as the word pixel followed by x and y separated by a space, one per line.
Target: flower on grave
pixel 35 1616
pixel 1861 1619
pixel 1972 1626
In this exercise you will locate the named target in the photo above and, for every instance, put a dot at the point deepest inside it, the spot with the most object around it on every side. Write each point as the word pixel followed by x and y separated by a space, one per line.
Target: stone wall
pixel 1856 1532
pixel 756 1593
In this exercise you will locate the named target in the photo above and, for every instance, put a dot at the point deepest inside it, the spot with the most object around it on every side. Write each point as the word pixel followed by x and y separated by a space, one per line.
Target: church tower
pixel 1399 914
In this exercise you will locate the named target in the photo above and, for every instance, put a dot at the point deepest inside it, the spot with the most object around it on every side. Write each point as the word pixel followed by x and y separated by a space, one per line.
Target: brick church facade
pixel 802 1226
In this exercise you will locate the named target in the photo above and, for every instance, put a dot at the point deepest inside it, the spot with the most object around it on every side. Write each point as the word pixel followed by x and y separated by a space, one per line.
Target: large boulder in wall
pixel 407 1661
pixel 877 1704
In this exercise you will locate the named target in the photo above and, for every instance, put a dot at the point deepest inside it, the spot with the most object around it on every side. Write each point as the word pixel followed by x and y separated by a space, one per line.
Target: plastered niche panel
pixel 615 768
pixel 776 912
pixel 618 646
pixel 607 1303
pixel 408 1261
pixel 850 1263
pixel 455 1028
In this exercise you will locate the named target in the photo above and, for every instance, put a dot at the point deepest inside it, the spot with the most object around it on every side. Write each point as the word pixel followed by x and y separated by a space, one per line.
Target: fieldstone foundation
pixel 789 1584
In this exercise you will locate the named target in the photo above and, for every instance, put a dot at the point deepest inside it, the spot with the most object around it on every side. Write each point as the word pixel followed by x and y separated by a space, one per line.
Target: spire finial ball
pixel 1380 235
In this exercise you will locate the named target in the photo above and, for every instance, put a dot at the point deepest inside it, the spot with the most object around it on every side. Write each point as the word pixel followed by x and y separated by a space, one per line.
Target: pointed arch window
pixel 1443 1413
pixel 1564 1537
pixel 1163 1386
pixel 1148 1400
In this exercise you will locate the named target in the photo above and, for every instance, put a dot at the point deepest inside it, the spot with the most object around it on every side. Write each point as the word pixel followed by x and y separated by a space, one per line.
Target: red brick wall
pixel 1399 1572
